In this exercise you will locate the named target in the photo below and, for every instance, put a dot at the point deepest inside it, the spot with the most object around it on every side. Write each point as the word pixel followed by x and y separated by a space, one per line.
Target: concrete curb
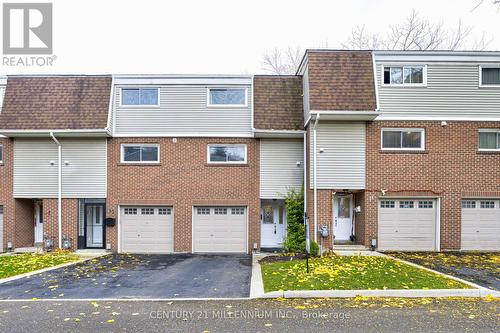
pixel 257 288
pixel 28 274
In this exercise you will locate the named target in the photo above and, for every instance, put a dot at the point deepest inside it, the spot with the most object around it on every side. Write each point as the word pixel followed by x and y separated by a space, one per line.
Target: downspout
pixel 306 181
pixel 315 180
pixel 59 189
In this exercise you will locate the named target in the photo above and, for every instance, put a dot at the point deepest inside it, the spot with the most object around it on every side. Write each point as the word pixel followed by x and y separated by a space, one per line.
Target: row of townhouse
pixel 399 150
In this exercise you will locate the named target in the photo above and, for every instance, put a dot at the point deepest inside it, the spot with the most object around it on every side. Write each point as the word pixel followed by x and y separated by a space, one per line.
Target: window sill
pixel 488 152
pixel 139 164
pixel 226 165
pixel 402 151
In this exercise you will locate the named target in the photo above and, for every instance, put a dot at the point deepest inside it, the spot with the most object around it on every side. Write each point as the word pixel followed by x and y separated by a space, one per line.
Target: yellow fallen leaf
pixel 110 321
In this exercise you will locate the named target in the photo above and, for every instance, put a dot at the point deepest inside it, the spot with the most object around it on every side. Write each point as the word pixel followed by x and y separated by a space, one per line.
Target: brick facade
pixel 183 179
pixel 69 220
pixel 6 200
pixel 450 168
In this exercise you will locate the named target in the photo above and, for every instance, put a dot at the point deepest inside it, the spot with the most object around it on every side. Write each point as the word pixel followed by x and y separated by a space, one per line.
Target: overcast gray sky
pixel 225 36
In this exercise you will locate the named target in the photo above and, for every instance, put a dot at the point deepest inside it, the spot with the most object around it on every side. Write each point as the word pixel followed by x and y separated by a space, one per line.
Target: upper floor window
pixel 403 139
pixel 1 154
pixel 235 154
pixel 140 153
pixel 404 75
pixel 227 97
pixel 489 139
pixel 490 76
pixel 139 96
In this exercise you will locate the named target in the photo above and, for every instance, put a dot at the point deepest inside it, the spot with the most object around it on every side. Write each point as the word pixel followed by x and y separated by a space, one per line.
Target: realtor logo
pixel 27 28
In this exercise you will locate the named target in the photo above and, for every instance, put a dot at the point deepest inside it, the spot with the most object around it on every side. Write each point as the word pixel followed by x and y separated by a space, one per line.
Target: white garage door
pixel 1 229
pixel 220 229
pixel 146 229
pixel 481 225
pixel 407 225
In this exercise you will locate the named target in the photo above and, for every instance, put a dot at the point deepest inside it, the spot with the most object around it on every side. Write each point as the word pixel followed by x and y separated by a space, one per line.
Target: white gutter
pixel 59 189
pixel 315 180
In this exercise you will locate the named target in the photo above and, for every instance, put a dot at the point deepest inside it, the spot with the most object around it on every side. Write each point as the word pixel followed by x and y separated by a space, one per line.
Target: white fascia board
pixel 181 135
pixel 278 134
pixel 383 117
pixel 64 133
pixel 3 80
pixel 110 106
pixel 421 56
pixel 181 80
pixel 345 115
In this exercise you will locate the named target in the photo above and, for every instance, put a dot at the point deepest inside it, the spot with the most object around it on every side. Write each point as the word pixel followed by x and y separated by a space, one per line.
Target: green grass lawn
pixel 28 262
pixel 351 272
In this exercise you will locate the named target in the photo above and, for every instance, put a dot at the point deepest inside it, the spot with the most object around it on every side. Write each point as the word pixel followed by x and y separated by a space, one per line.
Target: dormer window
pixel 404 75
pixel 227 97
pixel 139 96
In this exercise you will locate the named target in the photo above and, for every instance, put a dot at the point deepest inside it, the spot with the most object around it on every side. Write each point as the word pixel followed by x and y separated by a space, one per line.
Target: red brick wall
pixel 24 223
pixel 6 200
pixel 450 168
pixel 183 179
pixel 69 220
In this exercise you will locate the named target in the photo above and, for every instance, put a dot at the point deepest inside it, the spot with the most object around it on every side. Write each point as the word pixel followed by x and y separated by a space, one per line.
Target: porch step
pixel 91 252
pixel 31 249
pixel 350 247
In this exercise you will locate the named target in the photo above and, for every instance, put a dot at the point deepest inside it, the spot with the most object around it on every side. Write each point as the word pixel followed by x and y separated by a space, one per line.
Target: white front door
pixel 38 222
pixel 273 225
pixel 342 217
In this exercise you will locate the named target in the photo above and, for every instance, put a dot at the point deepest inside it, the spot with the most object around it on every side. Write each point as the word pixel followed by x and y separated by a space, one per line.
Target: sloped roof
pixel 341 81
pixel 278 102
pixel 56 102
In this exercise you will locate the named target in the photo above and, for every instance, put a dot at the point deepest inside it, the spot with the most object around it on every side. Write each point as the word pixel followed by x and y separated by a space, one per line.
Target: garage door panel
pixel 406 228
pixel 480 226
pixel 146 233
pixel 219 232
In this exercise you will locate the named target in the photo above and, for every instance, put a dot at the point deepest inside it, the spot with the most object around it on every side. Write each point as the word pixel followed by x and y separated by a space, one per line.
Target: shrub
pixel 295 240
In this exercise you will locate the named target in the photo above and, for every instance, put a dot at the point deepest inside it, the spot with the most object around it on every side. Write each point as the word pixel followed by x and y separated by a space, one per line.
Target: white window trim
pixel 142 106
pixel 487 130
pixel 390 129
pixel 424 78
pixel 481 78
pixel 122 153
pixel 227 105
pixel 1 155
pixel 226 145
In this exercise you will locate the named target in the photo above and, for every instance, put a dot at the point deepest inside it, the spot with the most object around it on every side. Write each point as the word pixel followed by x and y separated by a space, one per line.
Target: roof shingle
pixel 278 102
pixel 341 81
pixel 58 102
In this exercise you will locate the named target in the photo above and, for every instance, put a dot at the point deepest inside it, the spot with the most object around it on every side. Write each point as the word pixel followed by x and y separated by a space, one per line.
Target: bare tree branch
pixel 282 62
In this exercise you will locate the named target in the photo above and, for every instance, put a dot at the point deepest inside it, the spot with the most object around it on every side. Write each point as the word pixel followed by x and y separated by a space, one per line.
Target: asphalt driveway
pixel 140 276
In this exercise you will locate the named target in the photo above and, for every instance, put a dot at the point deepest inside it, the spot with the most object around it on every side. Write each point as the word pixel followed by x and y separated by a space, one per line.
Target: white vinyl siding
pixel 279 171
pixel 452 91
pixel 83 177
pixel 183 111
pixel 342 162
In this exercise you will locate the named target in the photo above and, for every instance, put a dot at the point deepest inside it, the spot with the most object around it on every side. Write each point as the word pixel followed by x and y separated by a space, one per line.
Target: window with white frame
pixel 220 211
pixel 238 211
pixel 490 76
pixel 469 204
pixel 139 96
pixel 406 204
pixel 403 139
pixel 140 153
pixel 487 204
pixel 130 211
pixel 231 154
pixel 203 211
pixel 425 204
pixel 1 154
pixel 227 97
pixel 147 211
pixel 489 139
pixel 387 204
pixel 164 211
pixel 404 75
